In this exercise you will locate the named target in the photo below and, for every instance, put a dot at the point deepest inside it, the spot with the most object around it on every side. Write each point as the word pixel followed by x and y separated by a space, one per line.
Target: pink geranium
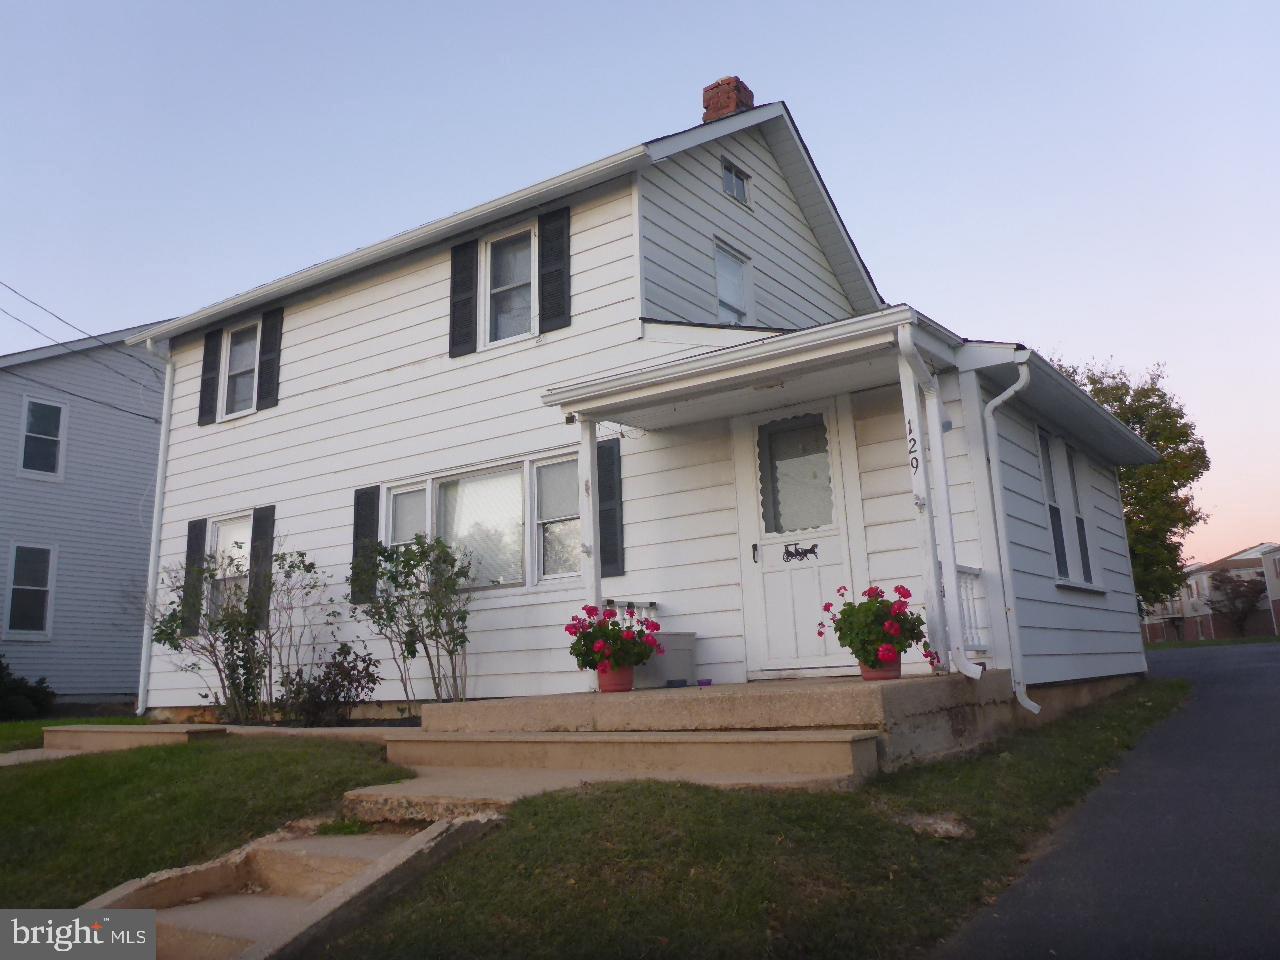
pixel 888 653
pixel 892 628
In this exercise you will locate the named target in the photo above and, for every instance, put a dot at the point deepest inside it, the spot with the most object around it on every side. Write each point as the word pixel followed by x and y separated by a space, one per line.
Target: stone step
pixel 309 867
pixel 225 925
pixel 101 737
pixel 825 753
pixel 845 702
pixel 439 793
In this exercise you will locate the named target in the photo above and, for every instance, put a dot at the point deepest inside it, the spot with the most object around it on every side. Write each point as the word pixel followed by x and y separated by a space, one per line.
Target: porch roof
pixel 764 374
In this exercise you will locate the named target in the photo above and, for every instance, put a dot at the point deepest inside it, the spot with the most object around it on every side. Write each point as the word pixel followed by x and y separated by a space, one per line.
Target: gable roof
pixel 775 122
pixel 111 339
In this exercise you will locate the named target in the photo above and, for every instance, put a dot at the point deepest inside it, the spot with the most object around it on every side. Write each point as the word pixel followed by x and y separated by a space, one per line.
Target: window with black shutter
pixel 609 500
pixel 364 544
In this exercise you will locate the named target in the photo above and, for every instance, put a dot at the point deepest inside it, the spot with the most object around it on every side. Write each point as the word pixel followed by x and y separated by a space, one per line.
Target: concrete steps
pixel 277 897
pixel 103 737
pixel 827 753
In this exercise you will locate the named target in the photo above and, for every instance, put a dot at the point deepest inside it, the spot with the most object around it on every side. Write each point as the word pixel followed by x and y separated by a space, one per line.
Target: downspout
pixel 992 436
pixel 157 517
pixel 937 465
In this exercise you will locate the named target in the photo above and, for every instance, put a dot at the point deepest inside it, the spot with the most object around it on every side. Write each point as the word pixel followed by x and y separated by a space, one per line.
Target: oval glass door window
pixel 795 474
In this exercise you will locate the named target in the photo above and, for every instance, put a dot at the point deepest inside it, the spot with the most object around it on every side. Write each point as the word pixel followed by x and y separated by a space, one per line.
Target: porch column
pixel 588 514
pixel 937 633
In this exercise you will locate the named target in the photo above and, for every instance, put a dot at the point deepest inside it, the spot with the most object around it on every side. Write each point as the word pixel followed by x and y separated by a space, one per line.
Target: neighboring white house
pixel 79 430
pixel 1271 570
pixel 681 344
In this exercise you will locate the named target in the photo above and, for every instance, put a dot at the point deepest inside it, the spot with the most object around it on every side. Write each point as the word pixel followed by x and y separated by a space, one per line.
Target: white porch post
pixel 589 516
pixel 912 410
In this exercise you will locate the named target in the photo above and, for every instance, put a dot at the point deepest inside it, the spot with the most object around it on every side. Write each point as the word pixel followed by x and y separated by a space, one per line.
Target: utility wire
pixel 154 372
pixel 79 396
pixel 72 350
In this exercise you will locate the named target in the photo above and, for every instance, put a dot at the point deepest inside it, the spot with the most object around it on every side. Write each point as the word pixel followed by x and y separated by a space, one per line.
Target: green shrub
pixel 20 699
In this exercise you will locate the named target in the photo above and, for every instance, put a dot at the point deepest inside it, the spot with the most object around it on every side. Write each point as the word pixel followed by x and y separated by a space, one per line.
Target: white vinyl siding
pixel 1067 632
pixel 684 207
pixel 369 395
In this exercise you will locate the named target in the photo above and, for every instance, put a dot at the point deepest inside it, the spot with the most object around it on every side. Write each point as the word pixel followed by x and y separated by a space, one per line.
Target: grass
pixel 1228 642
pixel 28 734
pixel 653 869
pixel 74 828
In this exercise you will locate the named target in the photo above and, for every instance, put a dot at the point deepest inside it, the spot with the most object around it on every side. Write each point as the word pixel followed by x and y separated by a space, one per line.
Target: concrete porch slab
pixel 98 738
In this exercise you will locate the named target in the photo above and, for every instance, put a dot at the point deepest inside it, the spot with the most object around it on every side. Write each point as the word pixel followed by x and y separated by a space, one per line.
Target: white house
pixel 1188 616
pixel 680 343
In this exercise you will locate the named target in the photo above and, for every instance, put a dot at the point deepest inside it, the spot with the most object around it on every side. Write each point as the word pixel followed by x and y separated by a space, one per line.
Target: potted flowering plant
pixel 877 630
pixel 613 646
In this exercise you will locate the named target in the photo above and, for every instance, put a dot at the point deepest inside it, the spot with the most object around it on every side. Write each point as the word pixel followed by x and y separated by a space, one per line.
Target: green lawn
pixel 1228 642
pixel 74 828
pixel 26 734
pixel 675 870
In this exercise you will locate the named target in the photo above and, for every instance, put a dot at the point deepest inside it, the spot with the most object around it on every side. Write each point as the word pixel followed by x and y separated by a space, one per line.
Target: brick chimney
pixel 725 97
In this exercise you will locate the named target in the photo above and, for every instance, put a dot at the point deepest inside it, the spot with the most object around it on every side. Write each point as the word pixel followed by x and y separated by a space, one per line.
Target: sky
pixel 1097 180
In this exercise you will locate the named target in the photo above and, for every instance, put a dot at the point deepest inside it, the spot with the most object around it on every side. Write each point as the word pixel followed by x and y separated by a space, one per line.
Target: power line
pixel 79 396
pixel 72 350
pixel 155 373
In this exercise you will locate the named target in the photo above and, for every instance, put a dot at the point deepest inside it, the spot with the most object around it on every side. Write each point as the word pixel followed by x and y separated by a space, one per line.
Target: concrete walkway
pixel 1175 855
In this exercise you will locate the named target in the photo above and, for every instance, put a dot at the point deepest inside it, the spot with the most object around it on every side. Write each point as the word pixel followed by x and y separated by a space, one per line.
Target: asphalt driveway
pixel 1175 855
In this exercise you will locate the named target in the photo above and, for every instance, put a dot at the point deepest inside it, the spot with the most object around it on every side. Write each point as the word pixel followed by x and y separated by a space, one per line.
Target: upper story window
pixel 734 181
pixel 240 369
pixel 731 286
pixel 1059 467
pixel 511 276
pixel 30 588
pixel 44 429
pixel 1082 532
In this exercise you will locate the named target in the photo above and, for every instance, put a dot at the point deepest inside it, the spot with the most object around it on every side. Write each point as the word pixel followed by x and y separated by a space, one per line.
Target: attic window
pixel 734 181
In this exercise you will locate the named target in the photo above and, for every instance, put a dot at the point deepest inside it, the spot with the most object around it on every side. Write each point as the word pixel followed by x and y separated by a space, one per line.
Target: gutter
pixel 157 517
pixel 992 437
pixel 937 466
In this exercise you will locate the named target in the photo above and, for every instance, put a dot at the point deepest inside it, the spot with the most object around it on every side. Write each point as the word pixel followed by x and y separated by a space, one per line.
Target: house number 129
pixel 913 449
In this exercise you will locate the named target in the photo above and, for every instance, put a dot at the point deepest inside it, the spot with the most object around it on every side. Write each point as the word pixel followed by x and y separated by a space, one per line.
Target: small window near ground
pixel 559 529
pixel 408 515
pixel 231 539
pixel 731 286
pixel 43 428
pixel 241 370
pixel 511 286
pixel 1055 512
pixel 483 516
pixel 29 590
pixel 1086 569
pixel 734 181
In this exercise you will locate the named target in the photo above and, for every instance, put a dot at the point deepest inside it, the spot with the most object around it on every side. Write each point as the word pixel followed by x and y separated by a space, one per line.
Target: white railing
pixel 972 628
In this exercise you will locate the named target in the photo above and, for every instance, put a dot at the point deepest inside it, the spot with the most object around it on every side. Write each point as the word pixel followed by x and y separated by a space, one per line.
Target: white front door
pixel 795 538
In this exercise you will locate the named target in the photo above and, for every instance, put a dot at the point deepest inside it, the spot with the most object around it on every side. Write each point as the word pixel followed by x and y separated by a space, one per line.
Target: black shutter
pixel 364 543
pixel 462 298
pixel 193 580
pixel 262 542
pixel 269 358
pixel 209 377
pixel 609 506
pixel 553 270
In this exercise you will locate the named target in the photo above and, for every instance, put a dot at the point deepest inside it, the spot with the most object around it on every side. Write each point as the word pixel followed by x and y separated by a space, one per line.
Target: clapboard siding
pixel 98 517
pixel 368 395
pixel 684 211
pixel 1066 633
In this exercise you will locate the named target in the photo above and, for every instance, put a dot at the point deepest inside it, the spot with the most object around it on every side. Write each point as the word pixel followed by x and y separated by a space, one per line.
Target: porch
pixel 857 459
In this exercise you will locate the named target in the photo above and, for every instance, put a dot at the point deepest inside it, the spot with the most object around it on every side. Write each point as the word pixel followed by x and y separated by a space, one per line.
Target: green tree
pixel 1159 507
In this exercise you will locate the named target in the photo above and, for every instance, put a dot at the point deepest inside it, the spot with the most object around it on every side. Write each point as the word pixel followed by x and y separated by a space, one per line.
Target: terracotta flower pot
pixel 617 680
pixel 890 671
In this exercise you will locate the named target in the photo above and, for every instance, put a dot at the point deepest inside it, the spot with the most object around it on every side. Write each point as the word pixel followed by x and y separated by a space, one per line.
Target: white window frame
pixel 541 576
pixel 30 635
pixel 224 369
pixel 1067 486
pixel 534 580
pixel 484 286
pixel 748 282
pixel 390 519
pixel 63 419
pixel 212 548
pixel 740 174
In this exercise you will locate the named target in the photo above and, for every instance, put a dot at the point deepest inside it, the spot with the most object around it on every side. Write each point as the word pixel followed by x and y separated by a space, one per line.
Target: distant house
pixel 1188 616
pixel 664 376
pixel 79 434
